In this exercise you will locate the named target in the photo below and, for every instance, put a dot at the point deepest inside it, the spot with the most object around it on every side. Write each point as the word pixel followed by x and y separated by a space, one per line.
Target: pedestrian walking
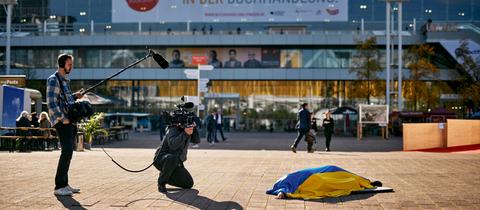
pixel 303 125
pixel 328 125
pixel 219 125
pixel 210 121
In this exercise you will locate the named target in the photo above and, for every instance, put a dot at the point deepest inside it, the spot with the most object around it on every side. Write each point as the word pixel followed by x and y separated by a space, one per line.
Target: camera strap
pixel 126 169
pixel 62 90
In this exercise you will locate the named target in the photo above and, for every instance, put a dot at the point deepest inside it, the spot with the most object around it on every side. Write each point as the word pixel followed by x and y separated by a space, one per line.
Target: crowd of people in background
pixel 27 120
pixel 32 121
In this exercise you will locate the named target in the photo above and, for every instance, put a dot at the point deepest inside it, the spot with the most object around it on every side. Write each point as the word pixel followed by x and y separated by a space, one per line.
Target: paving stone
pixel 236 174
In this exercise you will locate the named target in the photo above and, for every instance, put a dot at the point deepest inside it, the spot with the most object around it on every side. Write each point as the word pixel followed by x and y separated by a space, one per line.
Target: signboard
pixel 191 73
pixel 222 95
pixel 204 81
pixel 373 114
pixel 198 60
pixel 193 99
pixel 124 11
pixel 205 67
pixel 13 80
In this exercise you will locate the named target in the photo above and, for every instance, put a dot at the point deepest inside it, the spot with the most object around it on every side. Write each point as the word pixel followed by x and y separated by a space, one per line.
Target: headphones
pixel 62 60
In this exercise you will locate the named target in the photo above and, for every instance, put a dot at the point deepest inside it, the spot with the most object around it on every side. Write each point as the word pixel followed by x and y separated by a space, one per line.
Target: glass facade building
pixel 269 57
pixel 258 77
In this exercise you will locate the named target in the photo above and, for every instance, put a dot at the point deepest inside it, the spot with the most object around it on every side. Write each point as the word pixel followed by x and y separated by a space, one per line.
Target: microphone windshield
pixel 160 60
pixel 189 105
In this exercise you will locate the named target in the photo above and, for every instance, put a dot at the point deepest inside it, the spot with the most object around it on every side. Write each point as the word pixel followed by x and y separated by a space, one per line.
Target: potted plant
pixel 92 127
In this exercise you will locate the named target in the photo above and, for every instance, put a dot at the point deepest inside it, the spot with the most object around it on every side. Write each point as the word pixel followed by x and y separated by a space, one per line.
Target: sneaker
pixel 327 150
pixel 63 192
pixel 212 143
pixel 310 151
pixel 224 139
pixel 195 146
pixel 74 190
pixel 162 188
pixel 294 150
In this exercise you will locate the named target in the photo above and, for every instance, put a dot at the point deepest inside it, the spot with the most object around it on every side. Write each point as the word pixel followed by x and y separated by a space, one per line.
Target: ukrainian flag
pixel 315 183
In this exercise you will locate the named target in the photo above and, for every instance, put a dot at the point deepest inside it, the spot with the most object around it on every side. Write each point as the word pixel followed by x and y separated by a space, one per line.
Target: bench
pixel 28 142
pixel 117 133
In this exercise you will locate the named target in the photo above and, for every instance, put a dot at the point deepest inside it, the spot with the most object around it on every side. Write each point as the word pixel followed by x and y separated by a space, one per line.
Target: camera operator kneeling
pixel 171 154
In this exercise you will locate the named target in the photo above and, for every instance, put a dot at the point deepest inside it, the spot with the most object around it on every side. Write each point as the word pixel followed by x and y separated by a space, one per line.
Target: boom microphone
pixel 159 59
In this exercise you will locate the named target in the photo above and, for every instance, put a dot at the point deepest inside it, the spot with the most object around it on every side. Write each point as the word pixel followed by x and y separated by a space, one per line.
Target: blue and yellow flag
pixel 315 183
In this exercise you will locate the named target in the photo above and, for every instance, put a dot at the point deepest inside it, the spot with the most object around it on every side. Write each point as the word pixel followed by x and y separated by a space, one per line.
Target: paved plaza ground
pixel 235 175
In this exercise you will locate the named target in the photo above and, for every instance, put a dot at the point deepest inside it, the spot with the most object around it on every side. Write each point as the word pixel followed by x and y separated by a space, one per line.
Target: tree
pixel 420 65
pixel 366 65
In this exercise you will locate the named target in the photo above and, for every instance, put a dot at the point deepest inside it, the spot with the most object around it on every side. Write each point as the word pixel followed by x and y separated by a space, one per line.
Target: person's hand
pixel 66 121
pixel 79 94
pixel 189 130
pixel 280 195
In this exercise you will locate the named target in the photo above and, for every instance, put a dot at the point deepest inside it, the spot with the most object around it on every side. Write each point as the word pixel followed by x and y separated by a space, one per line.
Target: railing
pixel 50 28
pixel 53 28
pixel 469 26
pixel 452 27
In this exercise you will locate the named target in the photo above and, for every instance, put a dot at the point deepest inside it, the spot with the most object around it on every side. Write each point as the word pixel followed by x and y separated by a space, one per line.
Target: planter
pixel 79 144
pixel 88 143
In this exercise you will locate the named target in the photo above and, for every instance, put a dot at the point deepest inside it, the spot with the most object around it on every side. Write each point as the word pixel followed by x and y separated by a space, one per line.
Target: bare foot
pixel 280 195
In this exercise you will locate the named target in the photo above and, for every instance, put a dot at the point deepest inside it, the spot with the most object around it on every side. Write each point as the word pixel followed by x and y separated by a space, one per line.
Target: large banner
pixel 218 57
pixel 229 10
pixel 453 48
pixel 291 59
pixel 13 102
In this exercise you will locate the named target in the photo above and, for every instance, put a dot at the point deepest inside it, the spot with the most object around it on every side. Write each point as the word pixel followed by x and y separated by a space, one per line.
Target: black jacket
pixel 210 123
pixel 328 125
pixel 176 142
pixel 303 119
pixel 35 122
pixel 23 122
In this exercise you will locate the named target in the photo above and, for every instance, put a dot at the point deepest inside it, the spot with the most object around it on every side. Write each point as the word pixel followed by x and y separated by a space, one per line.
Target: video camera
pixel 181 116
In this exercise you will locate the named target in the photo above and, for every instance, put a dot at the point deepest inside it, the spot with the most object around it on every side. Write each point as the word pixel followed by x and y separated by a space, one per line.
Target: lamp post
pixel 388 28
pixel 9 4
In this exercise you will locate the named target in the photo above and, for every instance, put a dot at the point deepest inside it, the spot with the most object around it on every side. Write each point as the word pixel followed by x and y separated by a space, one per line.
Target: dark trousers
pixel 173 172
pixel 328 139
pixel 211 135
pixel 301 133
pixel 66 134
pixel 219 128
pixel 310 140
